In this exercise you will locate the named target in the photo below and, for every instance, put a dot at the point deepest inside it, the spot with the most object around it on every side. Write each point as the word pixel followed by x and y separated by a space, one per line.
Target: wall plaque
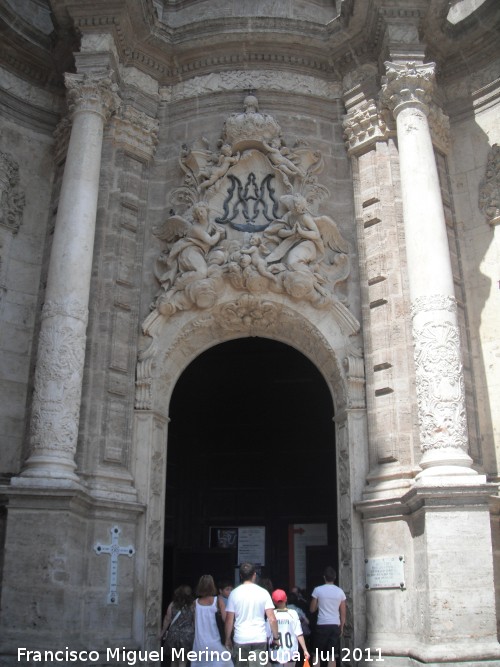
pixel 385 572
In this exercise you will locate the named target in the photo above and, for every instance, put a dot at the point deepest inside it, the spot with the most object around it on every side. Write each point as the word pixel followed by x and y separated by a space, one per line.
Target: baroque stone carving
pixel 244 79
pixel 249 221
pixel 56 400
pixel 440 386
pixel 94 92
pixel 439 125
pixel 408 84
pixel 12 198
pixel 137 131
pixel 433 302
pixel 248 313
pixel 489 188
pixel 365 125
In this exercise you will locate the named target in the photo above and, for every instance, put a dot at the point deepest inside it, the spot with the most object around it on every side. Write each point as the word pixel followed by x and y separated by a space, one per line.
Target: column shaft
pixel 61 351
pixel 438 366
pixel 427 249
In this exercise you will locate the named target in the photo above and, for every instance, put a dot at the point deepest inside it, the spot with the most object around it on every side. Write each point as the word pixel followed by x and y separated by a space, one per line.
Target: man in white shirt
pixel 330 603
pixel 247 608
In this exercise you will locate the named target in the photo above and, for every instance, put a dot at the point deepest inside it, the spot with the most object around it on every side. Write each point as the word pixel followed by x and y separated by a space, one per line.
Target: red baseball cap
pixel 278 595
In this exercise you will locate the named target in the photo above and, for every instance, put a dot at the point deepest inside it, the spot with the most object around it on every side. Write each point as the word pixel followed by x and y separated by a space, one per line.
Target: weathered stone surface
pixel 192 103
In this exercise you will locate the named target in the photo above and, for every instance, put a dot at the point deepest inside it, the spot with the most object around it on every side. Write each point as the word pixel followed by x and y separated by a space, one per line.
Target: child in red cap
pixel 290 632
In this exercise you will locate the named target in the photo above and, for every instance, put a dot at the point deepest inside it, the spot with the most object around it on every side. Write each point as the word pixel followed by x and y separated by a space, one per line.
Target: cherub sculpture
pixel 301 242
pixel 225 161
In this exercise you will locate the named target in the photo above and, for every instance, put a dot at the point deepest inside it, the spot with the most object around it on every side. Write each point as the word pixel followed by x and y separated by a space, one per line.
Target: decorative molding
pixel 440 386
pixel 408 85
pixel 355 375
pixel 248 314
pixel 238 80
pixel 489 188
pixel 58 383
pixel 433 303
pixel 365 125
pixel 251 316
pixel 12 198
pixel 439 125
pixel 70 307
pixel 135 131
pixel 92 92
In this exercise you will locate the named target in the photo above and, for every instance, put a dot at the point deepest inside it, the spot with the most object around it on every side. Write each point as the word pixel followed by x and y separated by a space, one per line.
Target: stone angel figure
pixel 188 269
pixel 301 242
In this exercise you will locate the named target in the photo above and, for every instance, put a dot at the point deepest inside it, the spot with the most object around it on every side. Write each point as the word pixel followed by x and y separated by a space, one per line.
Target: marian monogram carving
pixel 245 217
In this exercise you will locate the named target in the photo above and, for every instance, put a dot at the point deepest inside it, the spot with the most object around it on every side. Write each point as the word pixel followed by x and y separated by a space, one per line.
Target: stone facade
pixel 320 174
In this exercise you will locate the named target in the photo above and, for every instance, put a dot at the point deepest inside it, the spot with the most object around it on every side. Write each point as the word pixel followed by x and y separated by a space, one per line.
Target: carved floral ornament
pixel 245 217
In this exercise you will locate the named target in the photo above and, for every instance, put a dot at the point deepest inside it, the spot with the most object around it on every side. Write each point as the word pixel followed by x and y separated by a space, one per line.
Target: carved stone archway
pixel 327 341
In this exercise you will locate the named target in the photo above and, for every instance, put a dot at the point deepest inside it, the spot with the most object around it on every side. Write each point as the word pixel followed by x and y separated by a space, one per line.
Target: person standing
pixel 330 602
pixel 247 608
pixel 289 631
pixel 177 632
pixel 225 588
pixel 207 644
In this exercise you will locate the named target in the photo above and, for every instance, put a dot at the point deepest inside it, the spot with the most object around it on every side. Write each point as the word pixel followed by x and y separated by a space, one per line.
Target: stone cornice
pixel 170 53
pixel 37 55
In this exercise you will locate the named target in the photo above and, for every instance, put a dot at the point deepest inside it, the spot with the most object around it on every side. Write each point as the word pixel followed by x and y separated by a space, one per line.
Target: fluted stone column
pixel 439 375
pixel 61 350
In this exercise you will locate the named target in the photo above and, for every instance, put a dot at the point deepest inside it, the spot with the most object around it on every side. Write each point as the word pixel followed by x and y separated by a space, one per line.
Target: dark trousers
pixel 326 643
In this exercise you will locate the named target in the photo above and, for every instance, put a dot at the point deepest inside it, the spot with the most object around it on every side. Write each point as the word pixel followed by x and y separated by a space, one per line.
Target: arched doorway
pixel 251 443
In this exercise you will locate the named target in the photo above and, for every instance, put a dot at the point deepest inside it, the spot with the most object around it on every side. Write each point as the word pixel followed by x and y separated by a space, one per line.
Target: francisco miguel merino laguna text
pixel 133 657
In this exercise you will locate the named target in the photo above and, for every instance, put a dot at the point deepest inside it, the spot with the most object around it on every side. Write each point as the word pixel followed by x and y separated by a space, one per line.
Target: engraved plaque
pixel 386 572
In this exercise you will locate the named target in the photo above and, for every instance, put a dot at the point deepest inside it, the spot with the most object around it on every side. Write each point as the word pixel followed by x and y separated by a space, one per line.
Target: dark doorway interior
pixel 251 443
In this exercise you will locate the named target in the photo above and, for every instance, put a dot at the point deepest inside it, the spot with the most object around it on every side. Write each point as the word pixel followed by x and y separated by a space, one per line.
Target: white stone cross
pixel 114 550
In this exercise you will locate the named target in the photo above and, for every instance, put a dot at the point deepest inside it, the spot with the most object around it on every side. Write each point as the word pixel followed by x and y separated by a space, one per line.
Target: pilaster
pixel 370 140
pixel 106 439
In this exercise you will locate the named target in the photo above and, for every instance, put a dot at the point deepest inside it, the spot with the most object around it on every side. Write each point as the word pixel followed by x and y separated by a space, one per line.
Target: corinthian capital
pixel 408 85
pixel 94 92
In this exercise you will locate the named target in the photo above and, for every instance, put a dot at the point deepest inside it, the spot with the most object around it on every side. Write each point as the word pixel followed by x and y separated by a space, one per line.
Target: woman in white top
pixel 207 646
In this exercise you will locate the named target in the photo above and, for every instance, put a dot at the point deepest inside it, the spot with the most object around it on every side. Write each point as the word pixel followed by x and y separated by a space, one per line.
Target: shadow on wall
pixel 475 239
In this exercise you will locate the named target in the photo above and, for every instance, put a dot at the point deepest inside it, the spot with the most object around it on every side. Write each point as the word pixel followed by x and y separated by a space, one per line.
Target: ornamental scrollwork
pixel 440 386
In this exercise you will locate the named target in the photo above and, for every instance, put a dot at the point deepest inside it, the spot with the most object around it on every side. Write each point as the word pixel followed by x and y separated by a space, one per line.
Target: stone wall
pixel 27 172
